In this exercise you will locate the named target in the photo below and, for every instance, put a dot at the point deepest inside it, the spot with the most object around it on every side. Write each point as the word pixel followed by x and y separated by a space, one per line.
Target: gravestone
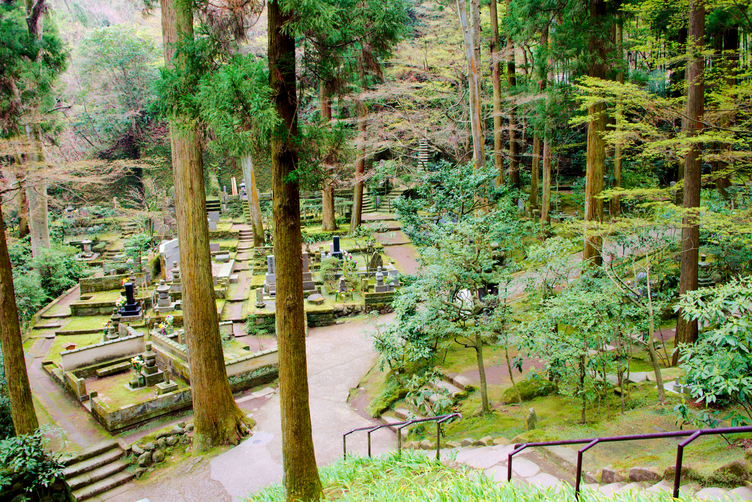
pixel 342 287
pixel 113 333
pixel 170 251
pixel 308 284
pixel 150 371
pixel 336 252
pixel 175 286
pixel 164 304
pixel 260 298
pixel 376 261
pixel 86 244
pixel 270 283
pixel 380 286
pixel 131 309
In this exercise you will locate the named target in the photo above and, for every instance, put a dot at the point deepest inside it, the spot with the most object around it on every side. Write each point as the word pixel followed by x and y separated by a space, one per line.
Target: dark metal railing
pixel 440 419
pixel 589 443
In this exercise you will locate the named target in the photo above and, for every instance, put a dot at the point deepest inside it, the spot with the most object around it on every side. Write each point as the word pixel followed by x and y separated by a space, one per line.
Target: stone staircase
pixel 247 211
pixel 97 469
pixel 213 205
pixel 245 235
pixel 128 228
pixel 386 202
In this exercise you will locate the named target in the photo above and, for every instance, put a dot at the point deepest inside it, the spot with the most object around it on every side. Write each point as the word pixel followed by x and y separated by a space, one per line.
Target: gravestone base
pixel 166 388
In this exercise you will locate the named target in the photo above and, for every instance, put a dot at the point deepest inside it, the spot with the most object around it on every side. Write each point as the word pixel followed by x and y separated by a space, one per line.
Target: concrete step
pixel 102 486
pixel 610 488
pixel 92 463
pixel 92 451
pixel 97 474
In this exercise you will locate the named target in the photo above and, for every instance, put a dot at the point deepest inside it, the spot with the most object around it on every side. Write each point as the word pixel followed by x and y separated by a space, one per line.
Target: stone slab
pixel 543 480
pixel 482 458
pixel 712 494
pixel 524 467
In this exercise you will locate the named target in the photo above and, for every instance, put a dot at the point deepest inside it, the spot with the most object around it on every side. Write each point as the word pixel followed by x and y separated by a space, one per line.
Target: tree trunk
pixel 511 375
pixel 23 214
pixel 596 146
pixel 301 477
pixel 36 193
pixel 535 172
pixel 545 216
pixel 360 169
pixel 473 76
pixel 496 69
pixel 482 374
pixel 731 67
pixel 217 418
pixel 616 200
pixel 328 219
pixel 514 144
pixel 254 203
pixel 19 391
pixel 686 331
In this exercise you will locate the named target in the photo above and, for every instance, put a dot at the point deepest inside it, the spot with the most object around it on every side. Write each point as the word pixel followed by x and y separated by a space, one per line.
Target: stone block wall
pixel 106 283
pixel 132 414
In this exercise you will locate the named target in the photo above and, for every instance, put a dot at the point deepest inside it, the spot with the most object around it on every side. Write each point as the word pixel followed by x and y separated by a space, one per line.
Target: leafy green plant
pixel 30 296
pixel 24 460
pixel 58 269
pixel 718 366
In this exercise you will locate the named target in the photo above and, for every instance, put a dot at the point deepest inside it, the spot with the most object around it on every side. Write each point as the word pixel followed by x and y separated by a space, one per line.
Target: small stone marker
pixel 376 261
pixel 532 419
pixel 260 298
pixel 316 299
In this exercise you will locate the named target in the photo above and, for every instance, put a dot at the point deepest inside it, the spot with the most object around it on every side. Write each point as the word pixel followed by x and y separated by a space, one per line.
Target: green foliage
pixel 6 418
pixel 58 269
pixel 416 477
pixel 23 459
pixel 719 367
pixel 139 243
pixel 28 67
pixel 30 295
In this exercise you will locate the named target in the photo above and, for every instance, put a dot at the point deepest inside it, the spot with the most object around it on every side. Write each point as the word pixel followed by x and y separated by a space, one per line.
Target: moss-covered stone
pixel 529 389
pixel 735 473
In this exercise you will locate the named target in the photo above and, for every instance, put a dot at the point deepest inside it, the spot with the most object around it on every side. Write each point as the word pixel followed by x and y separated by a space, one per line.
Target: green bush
pixel 58 269
pixel 24 462
pixel 30 296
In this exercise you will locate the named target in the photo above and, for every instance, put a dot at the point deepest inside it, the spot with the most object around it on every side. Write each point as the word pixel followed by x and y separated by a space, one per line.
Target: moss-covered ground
pixel 114 393
pixel 53 354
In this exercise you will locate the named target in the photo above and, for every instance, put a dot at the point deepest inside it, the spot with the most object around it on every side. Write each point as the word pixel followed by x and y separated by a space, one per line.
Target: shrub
pixel 30 296
pixel 24 462
pixel 58 269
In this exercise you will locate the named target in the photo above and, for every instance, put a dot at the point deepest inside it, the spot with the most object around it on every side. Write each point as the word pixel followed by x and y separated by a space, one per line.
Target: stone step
pixel 610 488
pixel 92 463
pixel 102 486
pixel 441 384
pixel 97 474
pixel 92 451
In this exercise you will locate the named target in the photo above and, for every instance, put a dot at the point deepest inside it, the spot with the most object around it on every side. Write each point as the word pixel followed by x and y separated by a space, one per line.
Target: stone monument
pixel 164 304
pixel 376 261
pixel 150 374
pixel 335 251
pixel 113 333
pixel 380 286
pixel 132 309
pixel 175 285
pixel 308 284
pixel 260 298
pixel 270 283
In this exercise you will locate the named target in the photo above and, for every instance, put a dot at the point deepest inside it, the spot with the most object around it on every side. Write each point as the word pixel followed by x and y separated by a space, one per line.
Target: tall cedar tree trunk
pixel 514 142
pixel 36 184
pixel 328 220
pixel 22 407
pixel 731 67
pixel 535 172
pixel 482 374
pixel 616 200
pixel 473 76
pixel 596 146
pixel 686 331
pixel 496 66
pixel 545 216
pixel 254 204
pixel 217 418
pixel 301 477
pixel 360 167
pixel 23 215
pixel 678 78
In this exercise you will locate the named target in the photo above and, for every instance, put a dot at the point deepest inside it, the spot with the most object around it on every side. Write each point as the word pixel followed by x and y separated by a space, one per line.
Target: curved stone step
pixel 97 474
pixel 92 451
pixel 102 486
pixel 92 463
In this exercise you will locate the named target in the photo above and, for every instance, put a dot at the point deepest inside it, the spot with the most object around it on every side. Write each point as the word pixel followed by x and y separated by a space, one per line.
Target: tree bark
pixel 360 168
pixel 731 68
pixel 254 203
pixel 301 478
pixel 514 144
pixel 545 216
pixel 217 418
pixel 535 172
pixel 686 331
pixel 328 218
pixel 496 77
pixel 596 146
pixel 473 75
pixel 482 374
pixel 616 200
pixel 36 193
pixel 19 391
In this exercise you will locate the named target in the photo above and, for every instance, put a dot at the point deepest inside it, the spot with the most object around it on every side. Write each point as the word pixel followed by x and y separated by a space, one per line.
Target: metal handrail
pixel 589 443
pixel 439 419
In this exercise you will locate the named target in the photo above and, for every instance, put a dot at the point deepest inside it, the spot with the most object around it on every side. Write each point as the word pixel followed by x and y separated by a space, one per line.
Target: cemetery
pixel 395 249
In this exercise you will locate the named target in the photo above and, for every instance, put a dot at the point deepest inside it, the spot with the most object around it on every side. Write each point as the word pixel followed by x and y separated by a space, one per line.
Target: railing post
pixel 344 446
pixel 679 459
pixel 369 443
pixel 579 467
pixel 438 440
pixel 399 441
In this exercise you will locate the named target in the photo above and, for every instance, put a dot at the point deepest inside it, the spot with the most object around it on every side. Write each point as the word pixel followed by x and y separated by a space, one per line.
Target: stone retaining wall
pixel 106 283
pixel 132 414
pixel 127 346
pixel 375 301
